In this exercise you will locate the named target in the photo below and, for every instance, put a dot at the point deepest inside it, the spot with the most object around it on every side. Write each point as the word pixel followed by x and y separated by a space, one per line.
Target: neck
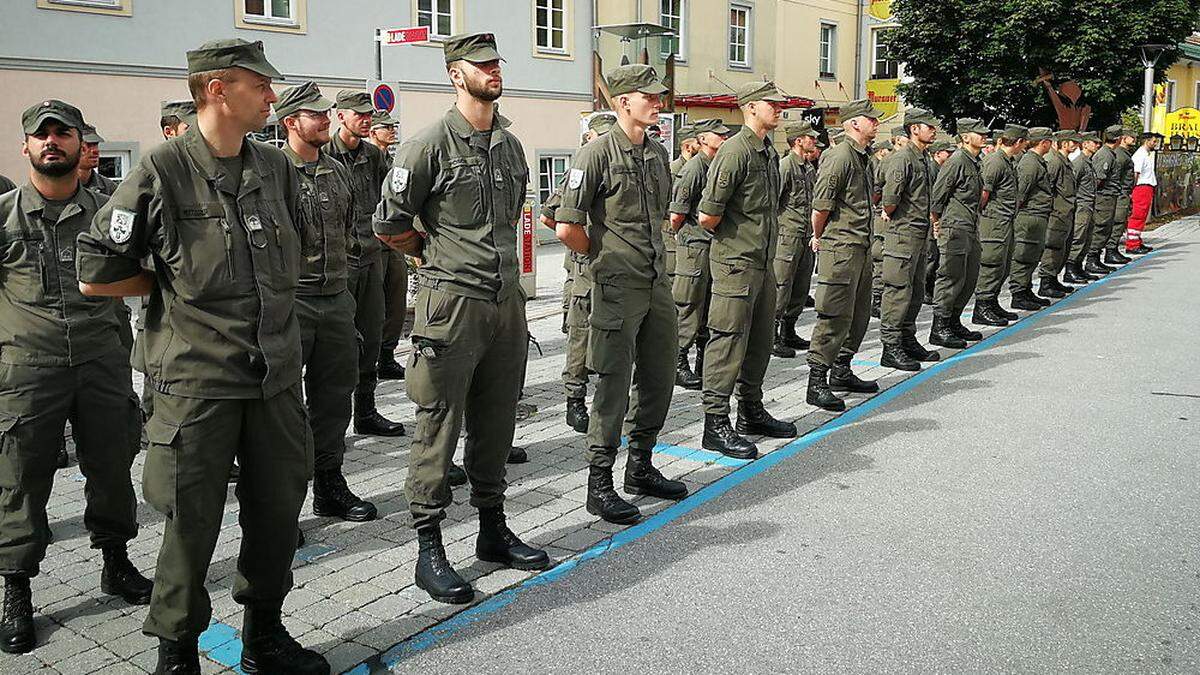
pixel 709 151
pixel 799 151
pixel 634 130
pixel 85 175
pixel 858 137
pixel 1010 150
pixel 479 114
pixel 920 145
pixel 973 150
pixel 304 150
pixel 380 144
pixel 224 139
pixel 1039 151
pixel 756 125
pixel 56 188
pixel 1089 153
pixel 348 139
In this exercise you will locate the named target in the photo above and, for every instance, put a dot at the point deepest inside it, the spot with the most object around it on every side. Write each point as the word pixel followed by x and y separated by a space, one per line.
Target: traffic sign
pixel 383 95
pixel 403 36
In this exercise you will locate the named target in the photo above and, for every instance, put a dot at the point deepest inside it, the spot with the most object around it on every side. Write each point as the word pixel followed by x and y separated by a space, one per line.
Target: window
pixel 1171 95
pixel 1196 100
pixel 739 36
pixel 271 11
pixel 551 169
pixel 115 163
pixel 117 7
pixel 439 16
pixel 550 19
pixel 670 15
pixel 827 53
pixel 883 66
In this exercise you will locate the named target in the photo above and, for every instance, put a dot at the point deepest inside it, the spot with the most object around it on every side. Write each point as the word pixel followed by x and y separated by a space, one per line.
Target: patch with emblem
pixel 499 176
pixel 723 180
pixel 575 178
pixel 66 254
pixel 684 193
pixel 120 226
pixel 399 179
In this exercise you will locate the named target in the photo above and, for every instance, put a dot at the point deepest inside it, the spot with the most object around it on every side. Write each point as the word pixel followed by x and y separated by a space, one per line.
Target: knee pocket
pixel 897 270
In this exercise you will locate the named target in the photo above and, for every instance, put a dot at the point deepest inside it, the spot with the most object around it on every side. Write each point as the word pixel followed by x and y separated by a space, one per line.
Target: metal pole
pixel 1148 97
pixel 378 54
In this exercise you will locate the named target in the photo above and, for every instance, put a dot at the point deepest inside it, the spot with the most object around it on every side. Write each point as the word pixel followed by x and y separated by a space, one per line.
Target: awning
pixel 729 101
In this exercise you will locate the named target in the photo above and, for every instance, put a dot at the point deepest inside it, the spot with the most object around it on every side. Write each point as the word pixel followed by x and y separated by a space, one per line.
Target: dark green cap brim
pixel 316 105
pixel 32 126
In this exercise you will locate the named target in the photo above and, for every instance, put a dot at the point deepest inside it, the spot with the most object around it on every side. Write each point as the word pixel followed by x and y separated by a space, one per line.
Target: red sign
pixel 527 236
pixel 404 36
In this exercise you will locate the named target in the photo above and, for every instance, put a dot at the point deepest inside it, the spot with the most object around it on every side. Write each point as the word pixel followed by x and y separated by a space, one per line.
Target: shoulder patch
pixel 575 178
pixel 120 226
pixel 399 179
pixel 723 180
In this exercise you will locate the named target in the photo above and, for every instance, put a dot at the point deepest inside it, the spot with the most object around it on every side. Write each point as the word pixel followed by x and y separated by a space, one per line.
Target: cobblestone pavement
pixel 354 595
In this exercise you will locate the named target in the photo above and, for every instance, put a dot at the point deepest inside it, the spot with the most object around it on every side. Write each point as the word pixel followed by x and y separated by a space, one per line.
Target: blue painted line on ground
pixel 220 642
pixel 699 455
pixel 865 363
pixel 314 551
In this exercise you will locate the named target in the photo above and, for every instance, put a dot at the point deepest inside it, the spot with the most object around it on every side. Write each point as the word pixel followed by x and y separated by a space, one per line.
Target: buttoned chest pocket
pixel 201 253
pixel 284 243
pixel 313 217
pixel 25 270
pixel 626 194
pixel 464 205
pixel 758 187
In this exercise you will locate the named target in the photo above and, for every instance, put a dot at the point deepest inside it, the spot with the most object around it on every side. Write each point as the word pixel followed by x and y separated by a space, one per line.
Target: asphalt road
pixel 1031 508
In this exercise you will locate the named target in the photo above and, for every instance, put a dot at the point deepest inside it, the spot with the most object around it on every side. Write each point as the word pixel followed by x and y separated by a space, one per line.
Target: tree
pixel 982 58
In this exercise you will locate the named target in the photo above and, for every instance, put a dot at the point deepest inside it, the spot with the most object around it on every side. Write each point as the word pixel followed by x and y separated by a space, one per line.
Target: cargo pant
pixel 329 348
pixel 1124 207
pixel 844 273
pixel 1058 241
pixel 395 298
pixel 1081 238
pixel 632 341
pixel 933 256
pixel 366 285
pixel 36 402
pixel 691 291
pixel 877 237
pixel 465 371
pixel 137 358
pixel 903 277
pixel 995 256
pixel 793 265
pixel 1029 242
pixel 958 271
pixel 1103 222
pixel 741 326
pixel 193 442
pixel 579 300
pixel 669 246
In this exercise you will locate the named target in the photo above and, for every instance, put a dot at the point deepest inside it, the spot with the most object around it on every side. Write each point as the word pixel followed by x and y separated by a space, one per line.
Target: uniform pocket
pixel 729 308
pixel 787 248
pixel 897 270
pixel 159 475
pixel 10 476
pixel 835 272
pixel 464 192
pixel 606 307
pixel 954 242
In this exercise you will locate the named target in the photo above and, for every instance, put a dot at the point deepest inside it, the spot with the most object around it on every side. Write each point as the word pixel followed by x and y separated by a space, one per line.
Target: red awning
pixel 729 101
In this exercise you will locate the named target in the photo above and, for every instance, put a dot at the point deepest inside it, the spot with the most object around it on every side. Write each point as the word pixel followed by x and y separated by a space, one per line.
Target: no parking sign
pixel 383 95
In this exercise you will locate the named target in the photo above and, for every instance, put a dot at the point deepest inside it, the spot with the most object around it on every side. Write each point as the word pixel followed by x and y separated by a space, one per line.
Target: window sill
pixel 741 67
pixel 122 8
pixel 539 53
pixel 280 26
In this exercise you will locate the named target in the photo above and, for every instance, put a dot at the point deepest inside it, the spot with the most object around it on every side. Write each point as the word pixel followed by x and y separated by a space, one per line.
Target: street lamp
pixel 1150 55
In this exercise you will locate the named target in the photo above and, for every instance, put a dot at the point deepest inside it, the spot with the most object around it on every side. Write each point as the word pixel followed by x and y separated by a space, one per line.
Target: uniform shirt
pixel 907 187
pixel 578 265
pixel 743 188
pixel 1143 166
pixel 368 168
pixel 463 190
pixel 999 178
pixel 1085 180
pixel 44 319
pixel 1035 194
pixel 685 199
pixel 226 252
pixel 957 192
pixel 1062 181
pixel 844 188
pixel 326 215
pixel 101 184
pixel 1104 162
pixel 6 185
pixel 620 190
pixel 678 162
pixel 1123 170
pixel 795 196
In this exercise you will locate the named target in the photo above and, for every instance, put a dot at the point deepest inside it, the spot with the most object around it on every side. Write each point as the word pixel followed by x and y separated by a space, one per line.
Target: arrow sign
pixel 404 36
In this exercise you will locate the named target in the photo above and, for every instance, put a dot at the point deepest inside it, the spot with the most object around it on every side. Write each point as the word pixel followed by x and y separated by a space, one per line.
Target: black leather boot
pixel 1113 257
pixel 456 475
pixel 17 635
pixel 434 574
pixel 1093 265
pixel 987 314
pixel 1025 299
pixel 120 578
pixel 1011 316
pixel 819 393
pixel 517 455
pixel 1061 286
pixel 178 657
pixel 332 497
pixel 791 339
pixel 842 378
pixel 684 377
pixel 779 346
pixel 367 420
pixel 1047 289
pixel 916 350
pixel 720 436
pixel 963 332
pixel 497 544
pixel 810 301
pixel 1074 274
pixel 577 415
pixel 942 334
pixel 642 478
pixel 753 418
pixel 63 460
pixel 267 647
pixel 603 500
pixel 388 368
pixel 895 357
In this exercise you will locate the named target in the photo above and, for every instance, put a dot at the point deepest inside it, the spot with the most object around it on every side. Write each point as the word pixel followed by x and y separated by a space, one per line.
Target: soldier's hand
pixel 815 245
pixel 547 221
pixel 937 229
pixel 409 242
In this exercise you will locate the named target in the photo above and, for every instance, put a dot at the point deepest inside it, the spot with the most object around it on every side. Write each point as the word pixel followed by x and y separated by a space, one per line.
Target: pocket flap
pixel 159 432
pixel 731 283
pixel 8 421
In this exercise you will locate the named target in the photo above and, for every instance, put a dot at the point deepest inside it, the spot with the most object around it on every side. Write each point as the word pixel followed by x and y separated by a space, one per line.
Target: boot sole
pixel 622 521
pixel 634 490
pixel 249 667
pixel 831 408
pixel 326 513
pixel 131 599
pixel 948 345
pixel 380 434
pixel 852 390
pixel 750 431
pixel 503 560
pixel 20 647
pixel 576 428
pixel 448 599
pixel 898 366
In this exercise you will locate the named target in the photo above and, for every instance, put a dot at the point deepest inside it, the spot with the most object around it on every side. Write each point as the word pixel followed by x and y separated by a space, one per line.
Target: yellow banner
pixel 883 94
pixel 1158 114
pixel 880 9
pixel 1182 122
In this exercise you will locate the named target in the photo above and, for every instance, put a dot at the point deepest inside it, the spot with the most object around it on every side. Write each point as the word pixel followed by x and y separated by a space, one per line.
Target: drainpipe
pixel 858 33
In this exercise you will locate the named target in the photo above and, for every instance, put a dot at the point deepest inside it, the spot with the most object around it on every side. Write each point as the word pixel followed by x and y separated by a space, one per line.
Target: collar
pixel 460 126
pixel 752 140
pixel 322 165
pixel 32 202
pixel 212 171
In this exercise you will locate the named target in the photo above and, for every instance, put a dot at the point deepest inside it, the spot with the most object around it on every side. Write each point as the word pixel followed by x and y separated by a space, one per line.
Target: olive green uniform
pixel 999 177
pixel 223 351
pixel 620 190
pixel 463 190
pixel 844 188
pixel 61 359
pixel 1123 171
pixel 577 297
pixel 1035 197
pixel 395 298
pixel 932 254
pixel 743 188
pixel 1108 192
pixel 1062 212
pixel 6 185
pixel 1085 206
pixel 907 187
pixel 670 241
pixel 956 196
pixel 878 229
pixel 106 186
pixel 324 307
pixel 794 256
pixel 692 287
pixel 102 184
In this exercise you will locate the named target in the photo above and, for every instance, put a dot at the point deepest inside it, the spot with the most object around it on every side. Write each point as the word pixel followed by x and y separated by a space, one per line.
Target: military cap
pixel 759 91
pixel 882 145
pixel 941 146
pixel 473 47
pixel 232 53
pixel 89 134
pixel 51 109
pixel 1065 135
pixel 968 125
pixel 899 132
pixel 711 125
pixel 1039 134
pixel 1089 136
pixel 382 118
pixel 919 116
pixel 306 96
pixel 184 110
pixel 353 99
pixel 634 77
pixel 686 131
pixel 860 108
pixel 799 128
pixel 601 122
pixel 1015 132
pixel 1151 134
pixel 1114 132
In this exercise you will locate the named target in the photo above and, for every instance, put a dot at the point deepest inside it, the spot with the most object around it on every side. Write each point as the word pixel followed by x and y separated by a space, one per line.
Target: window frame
pixel 891 73
pixel 680 39
pixel 549 27
pixel 108 7
pixel 747 36
pixel 566 156
pixel 1172 93
pixel 292 21
pixel 827 50
pixel 125 152
pixel 434 13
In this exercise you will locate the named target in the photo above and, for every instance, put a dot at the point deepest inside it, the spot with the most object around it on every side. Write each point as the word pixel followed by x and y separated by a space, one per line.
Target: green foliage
pixel 981 58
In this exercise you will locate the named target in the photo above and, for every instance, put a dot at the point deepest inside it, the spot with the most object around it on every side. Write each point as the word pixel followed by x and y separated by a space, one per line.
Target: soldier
pixel 1108 192
pixel 842 215
pixel 619 187
pixel 689 145
pixel 1035 197
pixel 216 213
pixel 739 207
pixel 692 286
pixel 89 160
pixel 1145 181
pixel 955 211
pixel 882 150
pixel 176 117
pixel 939 152
pixel 395 267
pixel 464 178
pixel 998 207
pixel 794 258
pixel 1062 212
pixel 1125 174
pixel 1080 267
pixel 324 307
pixel 905 214
pixel 383 132
pixel 687 148
pixel 61 359
pixel 368 168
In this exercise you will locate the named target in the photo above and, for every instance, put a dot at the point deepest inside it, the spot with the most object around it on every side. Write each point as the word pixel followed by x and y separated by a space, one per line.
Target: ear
pixel 25 148
pixel 214 88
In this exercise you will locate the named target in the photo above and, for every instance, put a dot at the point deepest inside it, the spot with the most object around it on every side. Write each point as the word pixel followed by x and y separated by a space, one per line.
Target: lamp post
pixel 1150 55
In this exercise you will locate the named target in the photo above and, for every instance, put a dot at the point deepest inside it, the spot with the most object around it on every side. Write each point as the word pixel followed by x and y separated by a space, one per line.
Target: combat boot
pixel 178 657
pixel 987 314
pixel 577 415
pixel 753 418
pixel 120 578
pixel 876 302
pixel 63 460
pixel 895 357
pixel 720 436
pixel 1025 299
pixel 1113 257
pixel 517 455
pixel 1011 316
pixel 388 368
pixel 1048 289
pixel 367 420
pixel 842 378
pixel 332 497
pixel 434 573
pixel 267 647
pixel 1142 249
pixel 791 339
pixel 963 332
pixel 779 346
pixel 914 349
pixel 603 500
pixel 456 475
pixel 642 478
pixel 1074 274
pixel 17 635
pixel 1093 265
pixel 942 334
pixel 819 393
pixel 684 377
pixel 498 544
